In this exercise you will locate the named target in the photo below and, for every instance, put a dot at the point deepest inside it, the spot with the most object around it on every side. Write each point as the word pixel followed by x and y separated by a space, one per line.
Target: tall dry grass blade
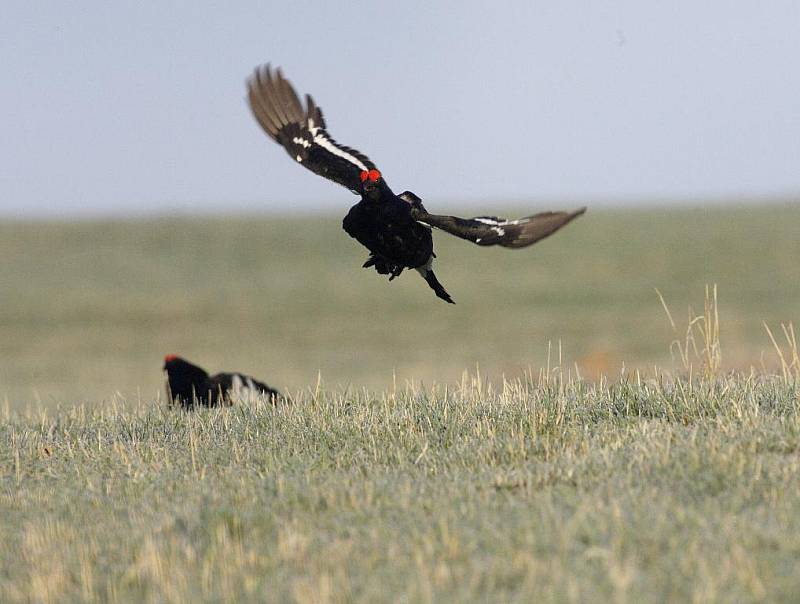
pixel 709 353
pixel 790 370
pixel 712 351
pixel 666 310
pixel 788 332
pixel 682 348
pixel 784 366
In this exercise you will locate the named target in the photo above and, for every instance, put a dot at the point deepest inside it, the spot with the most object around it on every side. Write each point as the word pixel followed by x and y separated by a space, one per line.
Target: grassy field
pixel 403 474
pixel 89 310
pixel 539 491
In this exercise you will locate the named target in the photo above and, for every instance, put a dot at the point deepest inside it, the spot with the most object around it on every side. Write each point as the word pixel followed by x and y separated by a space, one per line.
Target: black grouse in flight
pixel 396 229
pixel 188 384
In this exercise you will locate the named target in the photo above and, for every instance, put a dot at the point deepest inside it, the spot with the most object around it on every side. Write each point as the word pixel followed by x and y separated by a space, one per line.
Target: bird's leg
pixel 397 270
pixel 382 265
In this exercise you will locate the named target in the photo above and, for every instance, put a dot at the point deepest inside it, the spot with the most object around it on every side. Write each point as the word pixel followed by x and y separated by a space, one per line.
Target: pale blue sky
pixel 131 107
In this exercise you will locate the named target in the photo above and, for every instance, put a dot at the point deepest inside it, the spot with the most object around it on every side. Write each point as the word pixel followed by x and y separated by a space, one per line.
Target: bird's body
pixel 389 231
pixel 396 229
pixel 188 384
pixel 396 240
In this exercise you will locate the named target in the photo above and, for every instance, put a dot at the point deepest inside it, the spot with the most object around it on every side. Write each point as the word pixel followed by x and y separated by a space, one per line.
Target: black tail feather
pixel 437 287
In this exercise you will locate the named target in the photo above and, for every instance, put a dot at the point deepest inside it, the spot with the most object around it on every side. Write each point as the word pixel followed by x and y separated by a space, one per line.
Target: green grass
pixel 399 476
pixel 539 491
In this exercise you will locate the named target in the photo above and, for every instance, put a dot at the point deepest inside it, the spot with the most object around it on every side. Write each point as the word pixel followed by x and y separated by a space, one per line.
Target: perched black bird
pixel 396 229
pixel 187 384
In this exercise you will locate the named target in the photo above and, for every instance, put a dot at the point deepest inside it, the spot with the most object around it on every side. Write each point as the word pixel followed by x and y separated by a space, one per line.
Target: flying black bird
pixel 188 383
pixel 396 229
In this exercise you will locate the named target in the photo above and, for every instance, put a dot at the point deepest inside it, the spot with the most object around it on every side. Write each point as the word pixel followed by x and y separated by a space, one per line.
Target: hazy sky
pixel 136 107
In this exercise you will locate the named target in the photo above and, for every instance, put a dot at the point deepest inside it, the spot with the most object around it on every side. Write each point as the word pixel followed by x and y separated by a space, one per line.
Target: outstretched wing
pixel 301 130
pixel 490 230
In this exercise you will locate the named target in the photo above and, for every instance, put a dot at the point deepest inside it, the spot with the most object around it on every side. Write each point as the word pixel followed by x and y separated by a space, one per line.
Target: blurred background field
pixel 88 309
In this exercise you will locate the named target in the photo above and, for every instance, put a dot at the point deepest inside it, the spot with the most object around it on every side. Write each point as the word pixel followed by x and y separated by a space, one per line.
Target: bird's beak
pixel 371 189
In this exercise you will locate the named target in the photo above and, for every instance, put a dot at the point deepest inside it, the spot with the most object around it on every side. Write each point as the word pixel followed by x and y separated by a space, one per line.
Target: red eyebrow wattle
pixel 364 175
pixel 374 175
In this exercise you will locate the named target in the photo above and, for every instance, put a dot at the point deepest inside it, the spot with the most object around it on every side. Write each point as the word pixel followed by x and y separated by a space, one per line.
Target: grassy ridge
pixel 89 309
pixel 545 491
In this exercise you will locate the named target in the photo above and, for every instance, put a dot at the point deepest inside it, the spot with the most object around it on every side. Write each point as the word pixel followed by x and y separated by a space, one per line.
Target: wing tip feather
pixel 299 127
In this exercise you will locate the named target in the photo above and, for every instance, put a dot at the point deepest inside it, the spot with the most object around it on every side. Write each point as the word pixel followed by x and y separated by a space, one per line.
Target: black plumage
pixel 188 384
pixel 396 229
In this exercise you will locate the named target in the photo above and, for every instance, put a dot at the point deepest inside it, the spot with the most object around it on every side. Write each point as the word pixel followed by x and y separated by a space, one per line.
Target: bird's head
pixel 371 183
pixel 184 379
pixel 177 367
pixel 172 361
